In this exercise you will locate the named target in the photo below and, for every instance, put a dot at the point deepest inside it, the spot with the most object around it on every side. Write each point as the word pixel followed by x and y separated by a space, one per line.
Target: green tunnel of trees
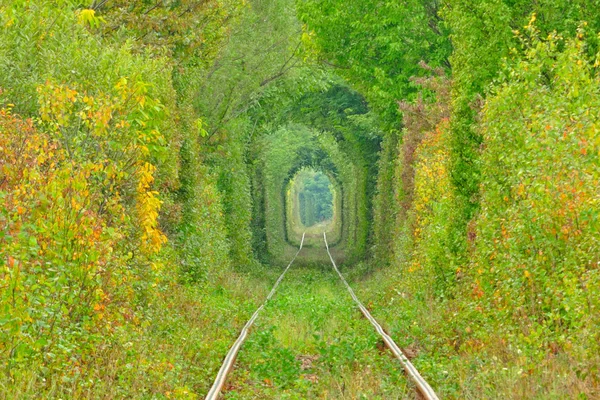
pixel 149 148
pixel 286 156
pixel 314 198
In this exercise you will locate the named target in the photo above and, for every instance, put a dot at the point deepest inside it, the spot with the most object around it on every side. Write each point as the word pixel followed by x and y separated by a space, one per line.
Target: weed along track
pixel 233 351
pixel 310 342
pixel 421 384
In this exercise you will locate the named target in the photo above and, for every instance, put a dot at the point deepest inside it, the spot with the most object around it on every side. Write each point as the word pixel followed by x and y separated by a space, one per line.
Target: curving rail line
pixel 215 390
pixel 410 369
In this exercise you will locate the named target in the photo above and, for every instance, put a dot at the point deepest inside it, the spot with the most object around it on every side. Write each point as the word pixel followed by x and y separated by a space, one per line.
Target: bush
pixel 538 232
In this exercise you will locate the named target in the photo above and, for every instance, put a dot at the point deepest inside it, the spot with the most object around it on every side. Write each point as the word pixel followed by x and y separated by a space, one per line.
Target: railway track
pixel 410 371
pixel 426 391
pixel 229 360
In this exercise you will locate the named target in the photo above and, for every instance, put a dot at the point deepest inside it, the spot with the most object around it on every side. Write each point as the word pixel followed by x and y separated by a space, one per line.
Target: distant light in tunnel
pixel 314 197
pixel 312 203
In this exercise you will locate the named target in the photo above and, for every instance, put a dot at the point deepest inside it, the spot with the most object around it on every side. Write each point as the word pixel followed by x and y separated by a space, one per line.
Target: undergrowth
pixel 312 342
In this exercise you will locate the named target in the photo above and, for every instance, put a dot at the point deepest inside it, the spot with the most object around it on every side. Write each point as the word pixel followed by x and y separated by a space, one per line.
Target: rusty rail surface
pixel 410 369
pixel 229 360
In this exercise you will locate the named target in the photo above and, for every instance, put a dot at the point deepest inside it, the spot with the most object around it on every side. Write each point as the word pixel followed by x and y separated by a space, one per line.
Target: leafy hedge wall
pixel 105 204
pixel 485 208
pixel 537 235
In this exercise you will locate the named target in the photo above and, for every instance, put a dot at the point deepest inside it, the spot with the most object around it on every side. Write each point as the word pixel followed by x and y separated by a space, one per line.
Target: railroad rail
pixel 410 369
pixel 229 360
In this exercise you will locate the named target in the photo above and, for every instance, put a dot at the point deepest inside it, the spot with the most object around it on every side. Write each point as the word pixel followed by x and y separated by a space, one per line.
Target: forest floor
pixel 311 342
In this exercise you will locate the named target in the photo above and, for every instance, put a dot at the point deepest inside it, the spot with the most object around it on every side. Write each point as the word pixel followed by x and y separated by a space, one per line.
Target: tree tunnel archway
pixel 311 196
pixel 328 130
pixel 312 156
pixel 283 154
pixel 295 227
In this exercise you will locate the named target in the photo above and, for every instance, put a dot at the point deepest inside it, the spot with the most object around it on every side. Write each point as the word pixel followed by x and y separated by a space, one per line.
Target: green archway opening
pixel 314 199
pixel 313 206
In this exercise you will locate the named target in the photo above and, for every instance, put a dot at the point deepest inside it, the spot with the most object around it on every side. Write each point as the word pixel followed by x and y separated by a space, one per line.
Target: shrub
pixel 536 263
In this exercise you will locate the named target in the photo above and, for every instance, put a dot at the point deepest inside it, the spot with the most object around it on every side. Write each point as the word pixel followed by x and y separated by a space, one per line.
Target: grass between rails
pixel 312 342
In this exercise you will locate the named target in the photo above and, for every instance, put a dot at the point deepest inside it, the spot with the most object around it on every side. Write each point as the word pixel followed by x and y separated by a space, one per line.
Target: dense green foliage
pixel 152 153
pixel 103 198
pixel 545 216
pixel 489 188
pixel 377 45
pixel 483 34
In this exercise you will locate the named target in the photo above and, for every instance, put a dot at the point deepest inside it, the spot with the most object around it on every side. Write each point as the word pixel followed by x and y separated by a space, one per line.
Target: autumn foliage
pixel 537 232
pixel 525 286
pixel 74 185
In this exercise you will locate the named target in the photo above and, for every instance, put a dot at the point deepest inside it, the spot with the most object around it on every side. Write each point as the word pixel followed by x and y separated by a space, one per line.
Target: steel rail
pixel 410 369
pixel 229 360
